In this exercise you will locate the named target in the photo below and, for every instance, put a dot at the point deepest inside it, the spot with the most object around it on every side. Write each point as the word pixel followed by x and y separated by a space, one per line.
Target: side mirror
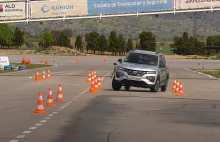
pixel 114 64
pixel 162 66
pixel 120 60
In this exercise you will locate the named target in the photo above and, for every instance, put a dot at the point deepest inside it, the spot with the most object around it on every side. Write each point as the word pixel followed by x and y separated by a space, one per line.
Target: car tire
pixel 164 87
pixel 116 86
pixel 156 87
pixel 127 87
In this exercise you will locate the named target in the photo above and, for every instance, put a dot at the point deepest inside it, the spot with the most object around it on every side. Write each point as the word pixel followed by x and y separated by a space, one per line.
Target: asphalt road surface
pixel 108 116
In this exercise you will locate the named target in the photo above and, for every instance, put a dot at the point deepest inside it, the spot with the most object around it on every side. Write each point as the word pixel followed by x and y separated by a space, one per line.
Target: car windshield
pixel 139 58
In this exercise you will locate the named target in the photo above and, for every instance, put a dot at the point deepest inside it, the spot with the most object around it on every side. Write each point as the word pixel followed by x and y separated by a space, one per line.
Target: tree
pixel 103 43
pixel 92 40
pixel 187 45
pixel 209 41
pixel 47 39
pixel 147 41
pixel 79 43
pixel 120 45
pixel 129 45
pixel 64 40
pixel 113 42
pixel 18 38
pixel 6 35
pixel 67 32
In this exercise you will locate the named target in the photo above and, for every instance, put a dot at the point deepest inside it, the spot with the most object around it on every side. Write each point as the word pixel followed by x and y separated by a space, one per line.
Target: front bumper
pixel 145 81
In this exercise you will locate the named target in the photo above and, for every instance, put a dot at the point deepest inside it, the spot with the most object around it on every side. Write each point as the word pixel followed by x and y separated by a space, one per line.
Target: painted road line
pixel 27 132
pixel 38 124
pixel 13 140
pixel 32 128
pixel 20 136
pixel 202 73
pixel 51 115
pixel 55 112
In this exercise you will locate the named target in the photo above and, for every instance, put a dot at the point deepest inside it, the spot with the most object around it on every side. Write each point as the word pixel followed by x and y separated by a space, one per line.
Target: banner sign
pixel 13 0
pixel 197 4
pixel 127 6
pixel 12 11
pixel 47 9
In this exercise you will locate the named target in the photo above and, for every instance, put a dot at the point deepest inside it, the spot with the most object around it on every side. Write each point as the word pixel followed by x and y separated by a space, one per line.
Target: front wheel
pixel 156 87
pixel 116 86
pixel 164 87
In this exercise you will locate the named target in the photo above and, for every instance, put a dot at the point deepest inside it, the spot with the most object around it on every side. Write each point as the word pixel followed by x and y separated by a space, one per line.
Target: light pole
pixel 195 16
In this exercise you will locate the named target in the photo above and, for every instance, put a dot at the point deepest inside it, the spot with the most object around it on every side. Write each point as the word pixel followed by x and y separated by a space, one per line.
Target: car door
pixel 162 67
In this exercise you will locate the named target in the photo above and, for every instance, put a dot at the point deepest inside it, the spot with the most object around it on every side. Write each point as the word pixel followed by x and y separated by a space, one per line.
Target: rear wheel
pixel 156 87
pixel 116 86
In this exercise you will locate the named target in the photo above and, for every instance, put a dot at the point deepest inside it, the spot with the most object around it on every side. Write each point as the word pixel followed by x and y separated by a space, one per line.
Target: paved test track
pixel 110 116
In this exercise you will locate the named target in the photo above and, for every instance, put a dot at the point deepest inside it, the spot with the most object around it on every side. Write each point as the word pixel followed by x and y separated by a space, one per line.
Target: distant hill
pixel 163 26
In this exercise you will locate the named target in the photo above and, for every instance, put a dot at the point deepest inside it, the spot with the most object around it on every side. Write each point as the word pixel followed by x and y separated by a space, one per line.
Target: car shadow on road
pixel 105 114
pixel 131 90
pixel 94 123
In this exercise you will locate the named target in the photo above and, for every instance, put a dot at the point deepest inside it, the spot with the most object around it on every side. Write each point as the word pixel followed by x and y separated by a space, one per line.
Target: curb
pixel 202 74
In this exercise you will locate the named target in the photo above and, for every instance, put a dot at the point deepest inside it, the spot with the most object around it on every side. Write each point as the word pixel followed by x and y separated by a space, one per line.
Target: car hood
pixel 134 66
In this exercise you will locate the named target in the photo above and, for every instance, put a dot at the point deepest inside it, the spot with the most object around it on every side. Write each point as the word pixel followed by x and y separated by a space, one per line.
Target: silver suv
pixel 143 69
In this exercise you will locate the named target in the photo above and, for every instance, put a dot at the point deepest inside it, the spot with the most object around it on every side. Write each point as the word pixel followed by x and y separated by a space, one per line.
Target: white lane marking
pixel 55 112
pixel 38 124
pixel 51 115
pixel 27 132
pixel 201 73
pixel 32 128
pixel 20 136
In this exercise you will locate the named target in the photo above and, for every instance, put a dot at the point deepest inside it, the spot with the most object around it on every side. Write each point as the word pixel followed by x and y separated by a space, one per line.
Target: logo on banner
pixel 10 8
pixel 46 8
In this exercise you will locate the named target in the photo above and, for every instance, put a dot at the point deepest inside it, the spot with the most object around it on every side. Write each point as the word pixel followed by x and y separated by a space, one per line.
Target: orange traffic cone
pixel 40 106
pixel 60 94
pixel 41 61
pixel 177 86
pixel 92 88
pixel 99 82
pixel 37 77
pixel 104 59
pixel 95 74
pixel 174 85
pixel 89 77
pixel 96 84
pixel 54 60
pixel 43 75
pixel 92 76
pixel 77 60
pixel 48 73
pixel 50 99
pixel 180 93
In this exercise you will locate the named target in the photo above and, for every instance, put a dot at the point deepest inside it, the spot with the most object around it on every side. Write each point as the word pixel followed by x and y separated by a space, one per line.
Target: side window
pixel 162 61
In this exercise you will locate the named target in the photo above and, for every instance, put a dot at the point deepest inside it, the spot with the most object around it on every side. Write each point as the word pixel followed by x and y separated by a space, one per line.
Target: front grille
pixel 134 72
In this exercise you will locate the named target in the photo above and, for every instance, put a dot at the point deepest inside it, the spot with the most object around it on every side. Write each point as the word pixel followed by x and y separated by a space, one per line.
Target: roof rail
pixel 157 52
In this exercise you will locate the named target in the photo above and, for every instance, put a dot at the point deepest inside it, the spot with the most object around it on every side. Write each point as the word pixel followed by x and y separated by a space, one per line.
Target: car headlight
pixel 151 72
